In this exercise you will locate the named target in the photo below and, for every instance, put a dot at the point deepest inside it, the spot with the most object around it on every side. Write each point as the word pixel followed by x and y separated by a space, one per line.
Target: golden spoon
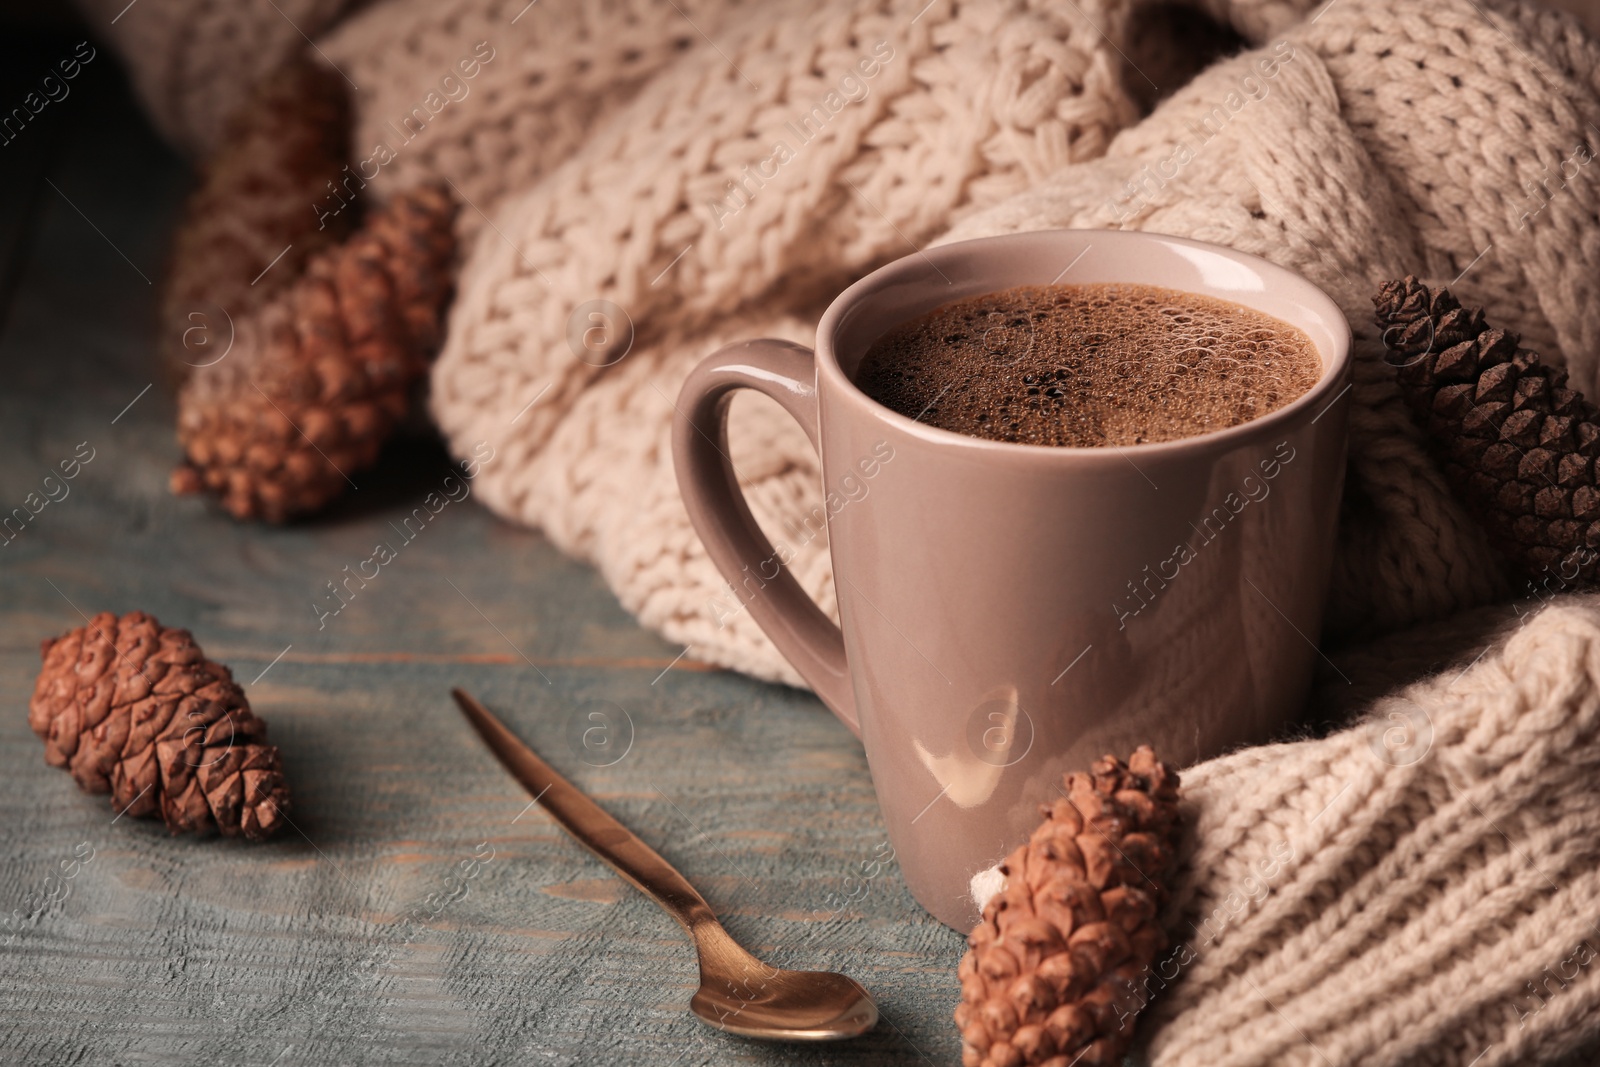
pixel 738 993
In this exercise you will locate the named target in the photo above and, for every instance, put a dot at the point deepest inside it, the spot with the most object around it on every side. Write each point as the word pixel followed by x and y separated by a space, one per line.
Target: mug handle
pixel 786 372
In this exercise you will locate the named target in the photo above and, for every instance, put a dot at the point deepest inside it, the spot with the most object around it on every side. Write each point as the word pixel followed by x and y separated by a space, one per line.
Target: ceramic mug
pixel 1010 611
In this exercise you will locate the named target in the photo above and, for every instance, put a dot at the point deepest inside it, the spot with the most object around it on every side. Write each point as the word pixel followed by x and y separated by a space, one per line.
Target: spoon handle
pixel 588 822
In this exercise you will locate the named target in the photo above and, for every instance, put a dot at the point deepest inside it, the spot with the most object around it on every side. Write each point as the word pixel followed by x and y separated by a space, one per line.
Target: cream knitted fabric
pixel 962 108
pixel 1350 164
pixel 610 142
pixel 1420 889
pixel 554 72
pixel 194 62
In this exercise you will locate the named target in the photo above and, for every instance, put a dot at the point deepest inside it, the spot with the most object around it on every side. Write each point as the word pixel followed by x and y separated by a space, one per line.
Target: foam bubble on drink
pixel 1089 365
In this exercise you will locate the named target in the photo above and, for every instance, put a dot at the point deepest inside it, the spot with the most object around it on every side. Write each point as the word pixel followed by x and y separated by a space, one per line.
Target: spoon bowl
pixel 738 993
pixel 742 995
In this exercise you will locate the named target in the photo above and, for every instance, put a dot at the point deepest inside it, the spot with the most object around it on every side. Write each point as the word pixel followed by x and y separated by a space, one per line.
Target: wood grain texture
pixel 376 931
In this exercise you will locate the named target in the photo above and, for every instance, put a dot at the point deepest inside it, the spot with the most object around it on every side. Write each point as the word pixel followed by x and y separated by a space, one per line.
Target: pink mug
pixel 1009 611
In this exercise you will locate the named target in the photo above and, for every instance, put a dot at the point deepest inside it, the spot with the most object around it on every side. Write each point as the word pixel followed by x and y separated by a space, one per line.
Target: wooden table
pixel 366 933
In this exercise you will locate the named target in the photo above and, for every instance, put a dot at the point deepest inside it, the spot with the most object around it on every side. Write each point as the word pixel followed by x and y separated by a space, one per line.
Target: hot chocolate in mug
pixel 1011 611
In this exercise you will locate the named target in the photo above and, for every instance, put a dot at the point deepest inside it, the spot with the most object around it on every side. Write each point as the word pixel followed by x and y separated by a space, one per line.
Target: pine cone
pixel 134 708
pixel 1053 976
pixel 319 377
pixel 1514 443
pixel 257 208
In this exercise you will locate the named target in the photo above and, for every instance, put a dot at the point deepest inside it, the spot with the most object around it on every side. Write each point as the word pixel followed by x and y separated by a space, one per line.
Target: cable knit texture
pixel 1351 165
pixel 1420 889
pixel 626 151
pixel 1350 903
pixel 968 105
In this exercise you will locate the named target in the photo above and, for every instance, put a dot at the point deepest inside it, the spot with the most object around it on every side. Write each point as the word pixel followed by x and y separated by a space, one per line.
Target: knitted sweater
pixel 1393 910
pixel 1420 889
pixel 994 118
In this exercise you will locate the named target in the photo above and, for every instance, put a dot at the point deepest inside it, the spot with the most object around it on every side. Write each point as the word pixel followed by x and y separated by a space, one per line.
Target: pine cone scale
pixel 349 318
pixel 1050 969
pixel 134 709
pixel 1515 444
